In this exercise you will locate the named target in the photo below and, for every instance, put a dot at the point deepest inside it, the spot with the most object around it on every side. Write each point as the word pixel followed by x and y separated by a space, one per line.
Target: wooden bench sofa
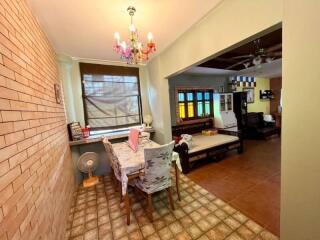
pixel 205 146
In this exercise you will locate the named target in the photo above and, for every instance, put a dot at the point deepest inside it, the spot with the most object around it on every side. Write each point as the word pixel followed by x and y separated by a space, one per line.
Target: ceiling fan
pixel 260 55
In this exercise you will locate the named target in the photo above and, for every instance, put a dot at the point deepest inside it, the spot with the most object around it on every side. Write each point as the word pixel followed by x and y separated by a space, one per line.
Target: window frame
pixel 90 68
pixel 195 101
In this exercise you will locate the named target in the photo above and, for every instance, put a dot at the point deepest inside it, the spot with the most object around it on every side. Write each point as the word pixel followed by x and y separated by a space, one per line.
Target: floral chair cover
pixel 157 169
pixel 112 158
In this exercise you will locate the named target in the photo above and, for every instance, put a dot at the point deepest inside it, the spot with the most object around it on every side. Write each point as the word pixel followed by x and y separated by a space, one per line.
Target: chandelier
pixel 133 51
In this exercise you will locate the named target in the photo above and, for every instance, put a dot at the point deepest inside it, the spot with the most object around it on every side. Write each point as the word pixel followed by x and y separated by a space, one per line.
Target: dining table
pixel 131 164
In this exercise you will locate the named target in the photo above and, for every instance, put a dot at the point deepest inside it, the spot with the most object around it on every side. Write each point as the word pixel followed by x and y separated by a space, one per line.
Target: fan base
pixel 91 181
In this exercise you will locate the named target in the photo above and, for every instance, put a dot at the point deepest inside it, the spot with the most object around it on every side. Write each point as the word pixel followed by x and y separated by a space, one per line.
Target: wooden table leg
pixel 177 180
pixel 127 203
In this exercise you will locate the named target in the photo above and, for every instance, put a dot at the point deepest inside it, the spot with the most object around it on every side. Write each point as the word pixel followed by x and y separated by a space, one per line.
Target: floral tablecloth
pixel 132 162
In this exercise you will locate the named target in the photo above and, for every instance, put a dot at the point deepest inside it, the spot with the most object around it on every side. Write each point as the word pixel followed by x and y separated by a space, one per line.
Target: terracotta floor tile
pixel 250 182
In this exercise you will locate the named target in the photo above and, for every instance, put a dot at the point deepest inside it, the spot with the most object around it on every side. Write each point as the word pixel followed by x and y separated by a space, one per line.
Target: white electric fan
pixel 87 163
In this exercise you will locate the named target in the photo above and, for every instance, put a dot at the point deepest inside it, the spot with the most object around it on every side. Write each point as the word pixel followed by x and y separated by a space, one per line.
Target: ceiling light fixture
pixel 133 51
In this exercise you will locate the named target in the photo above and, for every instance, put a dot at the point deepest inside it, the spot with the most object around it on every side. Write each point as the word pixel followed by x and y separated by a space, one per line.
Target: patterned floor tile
pixel 98 214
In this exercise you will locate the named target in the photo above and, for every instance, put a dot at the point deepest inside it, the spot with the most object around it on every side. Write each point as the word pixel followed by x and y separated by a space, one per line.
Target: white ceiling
pixel 267 70
pixel 85 28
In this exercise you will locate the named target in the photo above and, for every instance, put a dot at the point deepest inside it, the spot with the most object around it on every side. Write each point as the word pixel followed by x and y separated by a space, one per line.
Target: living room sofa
pixel 257 128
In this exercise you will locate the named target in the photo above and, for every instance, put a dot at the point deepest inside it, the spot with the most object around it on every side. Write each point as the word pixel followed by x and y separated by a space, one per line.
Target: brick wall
pixel 36 177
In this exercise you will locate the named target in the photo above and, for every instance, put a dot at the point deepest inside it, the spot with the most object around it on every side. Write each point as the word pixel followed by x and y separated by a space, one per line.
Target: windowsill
pixel 111 131
pixel 97 135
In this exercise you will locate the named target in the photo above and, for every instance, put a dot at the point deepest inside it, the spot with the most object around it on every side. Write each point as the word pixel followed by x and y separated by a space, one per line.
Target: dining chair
pixel 157 174
pixel 114 164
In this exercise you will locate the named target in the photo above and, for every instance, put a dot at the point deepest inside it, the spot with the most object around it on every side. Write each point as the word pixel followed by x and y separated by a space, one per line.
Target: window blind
pixel 111 96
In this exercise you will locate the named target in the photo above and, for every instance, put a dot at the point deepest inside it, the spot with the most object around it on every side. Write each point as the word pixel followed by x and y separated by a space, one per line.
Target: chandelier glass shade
pixel 132 50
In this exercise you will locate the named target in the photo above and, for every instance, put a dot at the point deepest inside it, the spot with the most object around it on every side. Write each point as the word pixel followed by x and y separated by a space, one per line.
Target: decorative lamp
pixel 148 120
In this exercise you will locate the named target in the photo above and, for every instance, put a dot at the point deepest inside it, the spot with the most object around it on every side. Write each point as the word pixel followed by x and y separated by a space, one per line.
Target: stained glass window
pixel 207 96
pixel 207 108
pixel 200 109
pixel 182 111
pixel 199 96
pixel 190 110
pixel 193 104
pixel 181 97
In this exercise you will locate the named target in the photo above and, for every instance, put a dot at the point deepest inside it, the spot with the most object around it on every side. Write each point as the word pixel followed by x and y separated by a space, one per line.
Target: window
pixel 195 103
pixel 111 96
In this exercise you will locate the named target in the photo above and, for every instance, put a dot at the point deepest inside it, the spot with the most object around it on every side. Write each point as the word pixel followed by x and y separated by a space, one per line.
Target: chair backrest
pixel 108 147
pixel 157 167
pixel 112 158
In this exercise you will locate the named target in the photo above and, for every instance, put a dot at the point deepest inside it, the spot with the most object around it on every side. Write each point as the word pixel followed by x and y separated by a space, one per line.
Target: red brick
pixel 24 200
pixel 4 167
pixel 30 132
pixel 8 93
pixel 8 116
pixel 21 79
pixel 14 137
pixel 18 105
pixel 5 194
pixel 3 83
pixel 11 65
pixel 20 125
pixel 18 61
pixel 6 128
pixel 24 97
pixel 12 201
pixel 18 158
pixel 24 144
pixel 4 30
pixel 4 50
pixel 27 163
pixel 6 179
pixel 30 181
pixel 29 115
pixel 6 72
pixel 19 181
pixel 26 74
pixel 2 142
pixel 4 104
pixel 26 222
pixel 15 41
pixel 33 149
pixel 7 152
pixel 1 217
pixel 35 166
pixel 14 225
pixel 16 86
pixel 5 41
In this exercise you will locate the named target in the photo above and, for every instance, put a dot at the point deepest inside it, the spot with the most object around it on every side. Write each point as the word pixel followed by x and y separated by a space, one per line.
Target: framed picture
pixel 250 94
pixel 57 91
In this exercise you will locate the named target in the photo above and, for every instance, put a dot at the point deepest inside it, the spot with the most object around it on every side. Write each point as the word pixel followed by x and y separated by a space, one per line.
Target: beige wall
pixel 217 31
pixel 300 193
pixel 259 105
pixel 72 86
